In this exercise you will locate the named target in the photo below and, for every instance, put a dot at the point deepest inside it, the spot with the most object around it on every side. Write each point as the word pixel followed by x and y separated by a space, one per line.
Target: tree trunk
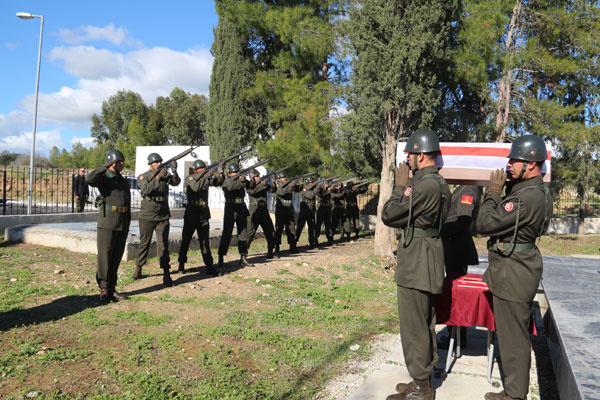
pixel 384 235
pixel 505 87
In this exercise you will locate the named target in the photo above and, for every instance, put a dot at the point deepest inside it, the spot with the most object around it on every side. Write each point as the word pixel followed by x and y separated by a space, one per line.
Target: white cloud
pixel 85 142
pixel 12 45
pixel 21 143
pixel 88 62
pixel 88 33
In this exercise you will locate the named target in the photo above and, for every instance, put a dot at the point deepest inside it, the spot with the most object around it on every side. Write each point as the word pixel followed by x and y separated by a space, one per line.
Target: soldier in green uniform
pixel 419 207
pixel 308 195
pixel 351 220
pixel 284 211
pixel 236 212
pixel 514 222
pixel 197 214
pixel 155 214
pixel 259 213
pixel 324 212
pixel 338 196
pixel 457 237
pixel 114 216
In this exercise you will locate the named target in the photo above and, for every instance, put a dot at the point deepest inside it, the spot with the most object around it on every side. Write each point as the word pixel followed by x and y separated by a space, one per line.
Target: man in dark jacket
pixel 81 190
pixel 514 222
pixel 351 220
pixel 259 213
pixel 308 208
pixel 284 211
pixel 419 207
pixel 155 214
pixel 324 212
pixel 114 216
pixel 338 196
pixel 236 212
pixel 197 214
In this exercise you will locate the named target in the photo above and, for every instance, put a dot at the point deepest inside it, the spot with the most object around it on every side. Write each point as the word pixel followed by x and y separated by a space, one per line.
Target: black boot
pixel 221 262
pixel 270 253
pixel 167 281
pixel 181 268
pixel 276 254
pixel 417 390
pixel 244 261
pixel 330 241
pixel 211 270
pixel 137 274
pixel 293 248
pixel 104 297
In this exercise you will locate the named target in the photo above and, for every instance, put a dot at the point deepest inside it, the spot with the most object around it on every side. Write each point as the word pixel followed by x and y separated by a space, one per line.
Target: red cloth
pixel 467 301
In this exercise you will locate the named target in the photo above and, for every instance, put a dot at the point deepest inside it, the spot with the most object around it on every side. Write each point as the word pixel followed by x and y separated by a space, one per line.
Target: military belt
pixel 309 202
pixel 235 200
pixel 325 203
pixel 198 203
pixel 257 202
pixel 351 204
pixel 286 203
pixel 424 233
pixel 156 199
pixel 507 247
pixel 118 209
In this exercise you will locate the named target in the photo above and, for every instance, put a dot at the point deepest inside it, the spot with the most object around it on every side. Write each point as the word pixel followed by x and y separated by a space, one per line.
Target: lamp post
pixel 24 15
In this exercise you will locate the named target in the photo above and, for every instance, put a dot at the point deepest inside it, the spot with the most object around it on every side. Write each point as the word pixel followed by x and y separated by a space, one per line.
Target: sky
pixel 90 51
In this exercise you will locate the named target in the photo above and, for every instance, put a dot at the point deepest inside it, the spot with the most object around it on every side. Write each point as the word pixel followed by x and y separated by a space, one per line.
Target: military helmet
pixel 254 173
pixel 114 155
pixel 309 179
pixel 528 148
pixel 349 184
pixel 281 174
pixel 422 141
pixel 154 157
pixel 198 164
pixel 233 168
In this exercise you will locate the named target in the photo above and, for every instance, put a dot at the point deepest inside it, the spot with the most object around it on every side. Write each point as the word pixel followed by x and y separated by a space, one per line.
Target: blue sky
pixel 90 51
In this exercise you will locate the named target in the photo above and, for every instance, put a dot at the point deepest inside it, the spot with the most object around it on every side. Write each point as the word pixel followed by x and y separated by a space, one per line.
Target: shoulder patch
pixel 466 199
pixel 141 178
pixel 509 206
pixel 191 178
pixel 408 191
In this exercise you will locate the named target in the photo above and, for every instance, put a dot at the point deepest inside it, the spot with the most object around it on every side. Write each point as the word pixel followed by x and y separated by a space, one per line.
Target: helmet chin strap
pixel 415 161
pixel 525 163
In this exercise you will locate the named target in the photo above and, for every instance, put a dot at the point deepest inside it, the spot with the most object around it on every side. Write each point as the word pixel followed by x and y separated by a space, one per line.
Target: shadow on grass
pixel 5 243
pixel 57 309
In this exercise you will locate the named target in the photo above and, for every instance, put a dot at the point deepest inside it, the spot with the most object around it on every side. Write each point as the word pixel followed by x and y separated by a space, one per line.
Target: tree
pixel 396 79
pixel 7 158
pixel 229 122
pixel 116 114
pixel 183 117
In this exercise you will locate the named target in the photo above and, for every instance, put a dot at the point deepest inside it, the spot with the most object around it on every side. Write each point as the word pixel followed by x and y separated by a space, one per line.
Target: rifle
pixel 274 173
pixel 166 164
pixel 324 179
pixel 340 181
pixel 245 170
pixel 223 160
pixel 298 177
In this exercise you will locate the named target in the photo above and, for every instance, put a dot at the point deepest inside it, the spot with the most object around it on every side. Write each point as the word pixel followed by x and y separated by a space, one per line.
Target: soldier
pixel 197 214
pixel 284 211
pixel 155 214
pixel 351 222
pixel 259 213
pixel 236 213
pixel 324 212
pixel 81 190
pixel 457 237
pixel 338 196
pixel 420 208
pixel 114 216
pixel 308 209
pixel 514 222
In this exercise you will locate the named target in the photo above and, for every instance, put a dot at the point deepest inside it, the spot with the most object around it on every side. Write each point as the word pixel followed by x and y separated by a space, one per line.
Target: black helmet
pixel 154 157
pixel 309 179
pixel 254 173
pixel 423 141
pixel 233 167
pixel 198 164
pixel 349 184
pixel 114 155
pixel 281 175
pixel 528 148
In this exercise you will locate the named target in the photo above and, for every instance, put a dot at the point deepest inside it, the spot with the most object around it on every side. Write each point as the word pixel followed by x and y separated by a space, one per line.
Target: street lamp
pixel 24 15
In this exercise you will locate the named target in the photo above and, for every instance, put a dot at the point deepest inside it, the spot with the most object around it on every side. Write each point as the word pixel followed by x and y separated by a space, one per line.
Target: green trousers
pixel 416 310
pixel 111 245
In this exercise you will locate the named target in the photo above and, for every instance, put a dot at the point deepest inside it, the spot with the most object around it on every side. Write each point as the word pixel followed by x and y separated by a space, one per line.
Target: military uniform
pixel 154 216
pixel 338 196
pixel 259 215
pixel 114 217
pixel 420 209
pixel 284 213
pixel 197 216
pixel 308 197
pixel 324 213
pixel 515 265
pixel 81 191
pixel 352 214
pixel 236 213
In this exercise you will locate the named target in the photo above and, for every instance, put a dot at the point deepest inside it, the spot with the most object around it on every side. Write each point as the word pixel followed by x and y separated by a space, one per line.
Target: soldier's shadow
pixel 53 311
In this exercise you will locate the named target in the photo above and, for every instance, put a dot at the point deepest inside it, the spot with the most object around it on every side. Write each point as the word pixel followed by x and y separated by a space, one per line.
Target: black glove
pixel 401 175
pixel 497 181
pixel 109 164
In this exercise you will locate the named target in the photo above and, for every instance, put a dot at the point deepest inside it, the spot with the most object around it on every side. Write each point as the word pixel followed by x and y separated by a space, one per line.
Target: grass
pixel 279 336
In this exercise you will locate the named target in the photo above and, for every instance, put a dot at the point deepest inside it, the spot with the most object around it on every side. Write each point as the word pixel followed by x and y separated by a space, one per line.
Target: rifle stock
pixel 245 170
pixel 165 164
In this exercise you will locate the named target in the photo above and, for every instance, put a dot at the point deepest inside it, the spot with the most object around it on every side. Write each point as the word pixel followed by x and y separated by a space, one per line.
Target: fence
pixel 53 193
